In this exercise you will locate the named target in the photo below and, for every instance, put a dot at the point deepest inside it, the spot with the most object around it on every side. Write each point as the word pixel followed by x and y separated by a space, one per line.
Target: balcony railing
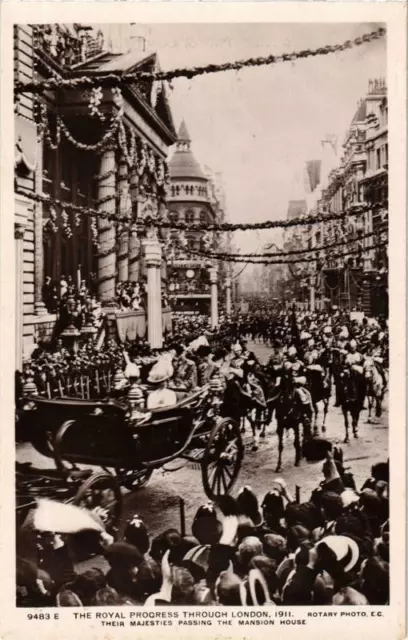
pixel 68 46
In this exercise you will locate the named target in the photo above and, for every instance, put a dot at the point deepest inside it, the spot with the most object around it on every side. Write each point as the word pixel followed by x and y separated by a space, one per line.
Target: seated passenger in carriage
pixel 206 366
pixel 159 375
pixel 185 369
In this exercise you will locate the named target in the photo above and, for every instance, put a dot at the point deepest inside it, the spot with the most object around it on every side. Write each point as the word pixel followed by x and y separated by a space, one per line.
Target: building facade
pixel 104 149
pixel 358 181
pixel 195 198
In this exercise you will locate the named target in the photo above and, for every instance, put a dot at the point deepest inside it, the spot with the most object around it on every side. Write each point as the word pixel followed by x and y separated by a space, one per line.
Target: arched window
pixel 203 217
pixel 189 217
pixel 174 216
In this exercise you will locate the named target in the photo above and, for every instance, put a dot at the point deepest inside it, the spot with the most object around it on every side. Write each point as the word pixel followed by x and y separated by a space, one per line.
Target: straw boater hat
pixel 345 549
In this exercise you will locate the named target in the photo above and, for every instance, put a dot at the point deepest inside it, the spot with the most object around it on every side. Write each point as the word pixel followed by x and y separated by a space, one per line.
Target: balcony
pixel 68 45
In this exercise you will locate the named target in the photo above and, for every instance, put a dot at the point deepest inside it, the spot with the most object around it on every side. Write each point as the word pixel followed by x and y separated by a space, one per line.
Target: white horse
pixel 375 386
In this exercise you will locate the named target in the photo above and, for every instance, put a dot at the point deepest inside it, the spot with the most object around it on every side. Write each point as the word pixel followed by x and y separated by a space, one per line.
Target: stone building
pixel 357 179
pixel 195 197
pixel 104 149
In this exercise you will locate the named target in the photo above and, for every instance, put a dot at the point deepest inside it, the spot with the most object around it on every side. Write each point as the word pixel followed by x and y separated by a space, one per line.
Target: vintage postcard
pixel 203 319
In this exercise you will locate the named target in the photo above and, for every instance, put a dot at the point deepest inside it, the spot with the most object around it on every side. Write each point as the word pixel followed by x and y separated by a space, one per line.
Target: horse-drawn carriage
pixel 127 446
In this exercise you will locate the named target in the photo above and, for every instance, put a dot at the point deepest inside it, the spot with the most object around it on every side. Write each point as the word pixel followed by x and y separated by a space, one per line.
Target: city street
pixel 158 503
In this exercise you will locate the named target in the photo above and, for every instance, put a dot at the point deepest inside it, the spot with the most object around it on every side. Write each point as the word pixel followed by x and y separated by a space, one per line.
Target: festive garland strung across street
pixel 342 243
pixel 116 79
pixel 317 259
pixel 224 226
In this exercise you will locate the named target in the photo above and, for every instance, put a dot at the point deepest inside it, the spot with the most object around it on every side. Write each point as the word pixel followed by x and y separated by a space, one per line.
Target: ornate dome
pixel 183 164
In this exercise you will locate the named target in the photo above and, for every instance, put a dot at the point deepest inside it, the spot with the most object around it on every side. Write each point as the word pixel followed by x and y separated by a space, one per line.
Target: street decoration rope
pixel 309 220
pixel 117 79
pixel 332 256
pixel 342 243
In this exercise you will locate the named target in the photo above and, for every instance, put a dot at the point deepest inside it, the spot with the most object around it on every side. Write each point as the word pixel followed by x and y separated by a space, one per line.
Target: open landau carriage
pixel 126 447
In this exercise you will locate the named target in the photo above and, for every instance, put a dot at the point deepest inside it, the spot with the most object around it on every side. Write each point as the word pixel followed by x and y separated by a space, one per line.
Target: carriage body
pixel 107 434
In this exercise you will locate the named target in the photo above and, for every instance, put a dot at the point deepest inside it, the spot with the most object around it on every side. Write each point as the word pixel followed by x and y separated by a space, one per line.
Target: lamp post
pixel 214 295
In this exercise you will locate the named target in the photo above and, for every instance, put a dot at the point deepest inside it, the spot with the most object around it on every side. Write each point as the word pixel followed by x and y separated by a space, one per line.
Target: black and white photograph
pixel 202 339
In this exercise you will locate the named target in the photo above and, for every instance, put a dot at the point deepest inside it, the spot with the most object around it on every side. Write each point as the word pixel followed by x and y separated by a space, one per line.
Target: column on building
pixel 18 236
pixel 214 296
pixel 106 228
pixel 123 239
pixel 152 257
pixel 39 306
pixel 134 242
pixel 228 305
pixel 159 289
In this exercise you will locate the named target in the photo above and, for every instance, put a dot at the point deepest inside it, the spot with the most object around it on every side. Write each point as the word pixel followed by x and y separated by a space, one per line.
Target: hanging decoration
pixel 95 100
pixel 115 80
pixel 278 254
pixel 315 259
pixel 221 227
pixel 62 129
pixel 127 144
pixel 65 224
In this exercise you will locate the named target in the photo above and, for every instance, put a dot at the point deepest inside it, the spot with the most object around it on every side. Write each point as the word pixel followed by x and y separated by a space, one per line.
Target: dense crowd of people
pixel 249 550
pixel 267 550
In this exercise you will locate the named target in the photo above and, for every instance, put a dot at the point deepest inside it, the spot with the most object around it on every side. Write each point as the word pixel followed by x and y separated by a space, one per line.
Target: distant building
pixel 359 177
pixel 193 198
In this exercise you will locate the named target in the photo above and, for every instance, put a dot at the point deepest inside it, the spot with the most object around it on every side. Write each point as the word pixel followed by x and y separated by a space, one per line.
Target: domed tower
pixel 189 201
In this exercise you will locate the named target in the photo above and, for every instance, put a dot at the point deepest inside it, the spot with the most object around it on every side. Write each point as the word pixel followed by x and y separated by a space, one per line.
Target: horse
pixel 375 386
pixel 293 408
pixel 272 391
pixel 352 396
pixel 320 390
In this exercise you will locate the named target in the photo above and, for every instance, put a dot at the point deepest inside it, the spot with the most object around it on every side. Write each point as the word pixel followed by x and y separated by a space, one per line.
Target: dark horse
pixel 352 396
pixel 293 408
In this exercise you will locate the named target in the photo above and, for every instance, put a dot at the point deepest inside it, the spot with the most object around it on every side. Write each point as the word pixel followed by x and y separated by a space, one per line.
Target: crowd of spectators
pixel 264 550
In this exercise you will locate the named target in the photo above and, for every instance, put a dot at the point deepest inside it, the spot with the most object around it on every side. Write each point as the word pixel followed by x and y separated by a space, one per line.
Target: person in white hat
pixel 159 375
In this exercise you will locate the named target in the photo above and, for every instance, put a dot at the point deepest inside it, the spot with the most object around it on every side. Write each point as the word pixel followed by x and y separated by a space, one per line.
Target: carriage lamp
pixel 29 387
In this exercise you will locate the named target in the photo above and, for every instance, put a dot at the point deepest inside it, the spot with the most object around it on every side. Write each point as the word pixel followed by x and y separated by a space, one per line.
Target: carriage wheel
pixel 222 458
pixel 101 494
pixel 134 480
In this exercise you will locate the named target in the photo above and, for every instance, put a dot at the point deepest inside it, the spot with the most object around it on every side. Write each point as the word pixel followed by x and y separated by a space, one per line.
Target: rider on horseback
pixel 354 358
pixel 294 378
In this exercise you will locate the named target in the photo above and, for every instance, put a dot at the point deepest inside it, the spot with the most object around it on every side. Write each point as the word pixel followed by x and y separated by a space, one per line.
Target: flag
pixel 59 517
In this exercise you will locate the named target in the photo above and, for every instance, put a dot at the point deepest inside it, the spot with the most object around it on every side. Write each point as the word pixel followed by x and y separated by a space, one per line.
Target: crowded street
pixel 158 502
pixel 202 355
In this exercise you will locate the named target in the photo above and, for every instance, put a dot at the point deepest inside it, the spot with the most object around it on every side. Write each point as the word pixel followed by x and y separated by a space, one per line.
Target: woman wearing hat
pixel 159 376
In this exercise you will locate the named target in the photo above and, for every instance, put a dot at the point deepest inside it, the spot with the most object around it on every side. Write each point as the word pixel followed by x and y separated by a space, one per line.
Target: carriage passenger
pixel 206 366
pixel 159 376
pixel 185 369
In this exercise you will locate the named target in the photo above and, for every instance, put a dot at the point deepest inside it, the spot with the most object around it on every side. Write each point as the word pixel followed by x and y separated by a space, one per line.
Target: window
pixel 67 241
pixel 189 217
pixel 174 216
pixel 378 159
pixel 203 217
pixel 386 154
